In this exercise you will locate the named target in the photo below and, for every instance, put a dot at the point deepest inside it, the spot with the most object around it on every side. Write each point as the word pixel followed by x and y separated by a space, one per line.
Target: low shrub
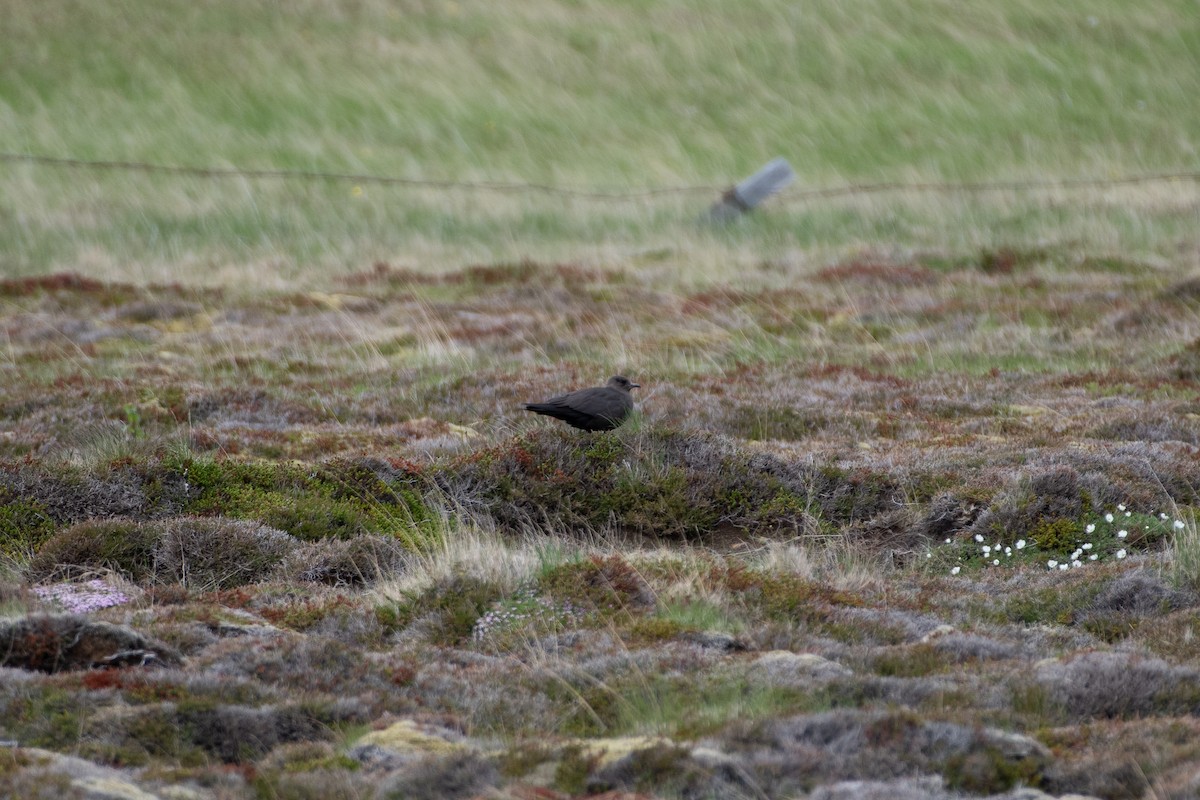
pixel 58 642
pixel 1118 685
pixel 120 545
pixel 655 483
pixel 453 777
pixel 344 562
pixel 447 611
pixel 216 553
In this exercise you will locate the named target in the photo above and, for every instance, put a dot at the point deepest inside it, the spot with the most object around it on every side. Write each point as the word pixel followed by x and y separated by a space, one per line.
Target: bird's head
pixel 622 383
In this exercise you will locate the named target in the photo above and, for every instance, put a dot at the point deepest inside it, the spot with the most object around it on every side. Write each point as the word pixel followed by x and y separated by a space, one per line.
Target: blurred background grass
pixel 592 95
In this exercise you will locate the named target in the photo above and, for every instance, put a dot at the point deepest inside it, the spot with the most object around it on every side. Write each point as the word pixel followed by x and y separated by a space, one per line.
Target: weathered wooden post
pixel 745 196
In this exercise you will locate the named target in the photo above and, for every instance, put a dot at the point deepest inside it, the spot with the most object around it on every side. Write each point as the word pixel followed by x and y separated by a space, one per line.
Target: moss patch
pixel 335 499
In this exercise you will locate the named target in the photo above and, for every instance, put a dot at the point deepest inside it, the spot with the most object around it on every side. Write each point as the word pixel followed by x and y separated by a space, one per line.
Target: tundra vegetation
pixel 907 509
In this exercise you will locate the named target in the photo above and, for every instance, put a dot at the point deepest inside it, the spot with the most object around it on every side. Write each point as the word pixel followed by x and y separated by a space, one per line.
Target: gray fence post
pixel 746 195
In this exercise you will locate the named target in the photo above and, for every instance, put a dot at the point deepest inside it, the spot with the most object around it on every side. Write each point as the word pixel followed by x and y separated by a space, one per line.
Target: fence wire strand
pixel 799 194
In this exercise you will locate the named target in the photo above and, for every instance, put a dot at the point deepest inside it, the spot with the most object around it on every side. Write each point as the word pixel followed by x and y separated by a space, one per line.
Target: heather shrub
pixel 453 777
pixel 447 611
pixel 948 513
pixel 1142 593
pixel 312 770
pixel 670 769
pixel 655 482
pixel 1116 684
pixel 193 728
pixel 1044 506
pixel 234 733
pixel 344 562
pixel 894 692
pixel 318 780
pixel 42 500
pixel 287 660
pixel 57 642
pixel 201 553
pixel 1112 779
pixel 605 584
pixel 966 648
pixel 496 696
pixel 121 545
pixel 795 752
pixel 924 788
pixel 1139 429
pixel 217 553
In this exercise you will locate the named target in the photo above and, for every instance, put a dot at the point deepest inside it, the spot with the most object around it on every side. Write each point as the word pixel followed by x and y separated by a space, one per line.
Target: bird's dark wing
pixel 605 403
pixel 570 415
pixel 599 409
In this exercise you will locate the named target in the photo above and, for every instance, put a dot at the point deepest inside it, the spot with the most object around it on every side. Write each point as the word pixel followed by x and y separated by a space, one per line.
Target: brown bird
pixel 600 408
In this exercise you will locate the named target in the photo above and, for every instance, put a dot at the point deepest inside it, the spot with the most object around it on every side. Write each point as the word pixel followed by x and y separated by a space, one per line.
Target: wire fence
pixel 846 190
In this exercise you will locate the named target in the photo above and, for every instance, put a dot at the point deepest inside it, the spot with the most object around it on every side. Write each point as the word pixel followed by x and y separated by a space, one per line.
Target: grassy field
pixel 596 96
pixel 909 506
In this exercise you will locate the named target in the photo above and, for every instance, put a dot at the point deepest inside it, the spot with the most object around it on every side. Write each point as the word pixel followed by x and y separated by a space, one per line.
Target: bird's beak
pixel 635 386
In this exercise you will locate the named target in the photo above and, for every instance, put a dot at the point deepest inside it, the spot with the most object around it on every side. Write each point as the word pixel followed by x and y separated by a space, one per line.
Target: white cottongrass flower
pixel 1090 529
pixel 979 537
pixel 1121 534
pixel 1052 563
pixel 957 570
pixel 1093 557
pixel 1087 546
pixel 986 550
pixel 1162 515
pixel 1020 544
pixel 1121 553
pixel 995 562
pixel 947 540
pixel 1008 551
pixel 1077 563
pixel 1178 524
pixel 1078 552
pixel 1108 517
pixel 1121 507
pixel 1063 566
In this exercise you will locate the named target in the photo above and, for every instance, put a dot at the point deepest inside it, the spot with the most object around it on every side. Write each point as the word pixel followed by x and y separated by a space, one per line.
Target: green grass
pixel 682 707
pixel 584 94
pixel 1185 547
pixel 699 614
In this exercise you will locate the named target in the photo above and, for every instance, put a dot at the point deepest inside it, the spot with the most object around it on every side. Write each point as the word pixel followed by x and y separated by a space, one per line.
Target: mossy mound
pixel 210 553
pixel 657 483
pixel 339 499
